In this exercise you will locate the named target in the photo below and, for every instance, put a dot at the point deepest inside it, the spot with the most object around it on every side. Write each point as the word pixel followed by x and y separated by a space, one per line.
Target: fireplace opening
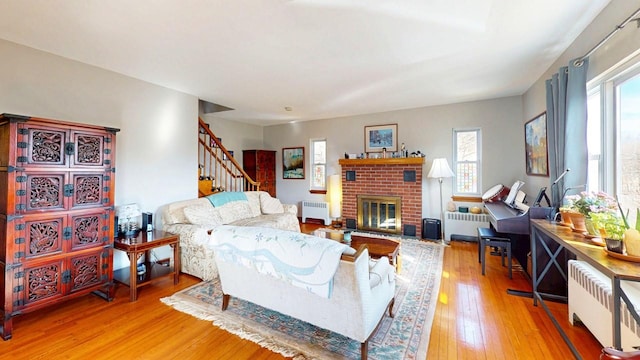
pixel 380 213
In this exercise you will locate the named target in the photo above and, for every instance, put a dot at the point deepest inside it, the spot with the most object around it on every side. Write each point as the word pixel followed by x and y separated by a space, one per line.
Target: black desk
pixel 595 256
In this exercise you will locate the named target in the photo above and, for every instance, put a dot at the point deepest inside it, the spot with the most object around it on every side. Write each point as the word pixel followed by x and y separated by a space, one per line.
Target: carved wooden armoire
pixel 261 166
pixel 56 213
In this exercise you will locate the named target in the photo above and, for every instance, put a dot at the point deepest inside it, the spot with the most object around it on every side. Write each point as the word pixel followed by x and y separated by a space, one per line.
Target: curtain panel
pixel 567 127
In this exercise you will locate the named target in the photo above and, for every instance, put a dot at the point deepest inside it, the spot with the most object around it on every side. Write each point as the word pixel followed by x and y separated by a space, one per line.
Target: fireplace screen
pixel 379 213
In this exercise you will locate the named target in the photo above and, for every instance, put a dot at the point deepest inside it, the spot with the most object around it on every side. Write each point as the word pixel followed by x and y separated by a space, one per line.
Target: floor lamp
pixel 440 169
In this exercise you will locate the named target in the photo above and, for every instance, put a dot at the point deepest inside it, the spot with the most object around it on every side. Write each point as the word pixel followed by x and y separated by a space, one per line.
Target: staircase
pixel 217 169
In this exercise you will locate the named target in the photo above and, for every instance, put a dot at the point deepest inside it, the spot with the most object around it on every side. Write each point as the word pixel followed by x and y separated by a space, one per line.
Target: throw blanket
pixel 302 260
pixel 222 198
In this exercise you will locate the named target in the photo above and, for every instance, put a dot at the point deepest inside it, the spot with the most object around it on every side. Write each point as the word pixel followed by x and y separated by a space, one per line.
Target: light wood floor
pixel 475 319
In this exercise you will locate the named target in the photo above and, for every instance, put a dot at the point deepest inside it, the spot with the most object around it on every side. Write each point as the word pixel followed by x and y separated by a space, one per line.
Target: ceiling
pixel 319 58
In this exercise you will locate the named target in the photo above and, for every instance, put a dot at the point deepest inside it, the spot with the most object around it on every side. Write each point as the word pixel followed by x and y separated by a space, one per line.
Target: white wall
pixel 236 136
pixel 156 151
pixel 623 44
pixel 427 129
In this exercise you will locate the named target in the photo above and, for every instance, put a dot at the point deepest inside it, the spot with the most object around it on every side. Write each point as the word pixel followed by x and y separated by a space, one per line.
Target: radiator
pixel 464 224
pixel 316 210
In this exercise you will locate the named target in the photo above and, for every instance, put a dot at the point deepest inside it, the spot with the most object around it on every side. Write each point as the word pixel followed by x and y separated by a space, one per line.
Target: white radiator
pixel 464 224
pixel 316 210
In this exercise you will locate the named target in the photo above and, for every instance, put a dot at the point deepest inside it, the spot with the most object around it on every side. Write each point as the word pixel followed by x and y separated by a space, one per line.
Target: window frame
pixel 607 84
pixel 313 163
pixel 478 162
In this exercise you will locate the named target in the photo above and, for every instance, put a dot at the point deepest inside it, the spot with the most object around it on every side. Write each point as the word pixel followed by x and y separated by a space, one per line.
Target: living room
pixel 157 156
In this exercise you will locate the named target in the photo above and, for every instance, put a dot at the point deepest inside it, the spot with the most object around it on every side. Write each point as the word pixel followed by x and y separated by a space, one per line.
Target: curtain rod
pixel 580 60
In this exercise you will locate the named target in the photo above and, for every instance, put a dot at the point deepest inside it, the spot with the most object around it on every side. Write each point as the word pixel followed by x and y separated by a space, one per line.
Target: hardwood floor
pixel 475 319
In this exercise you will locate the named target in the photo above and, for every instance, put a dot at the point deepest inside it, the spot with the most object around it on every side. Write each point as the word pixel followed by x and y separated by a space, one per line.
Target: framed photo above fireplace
pixel 293 163
pixel 535 140
pixel 380 138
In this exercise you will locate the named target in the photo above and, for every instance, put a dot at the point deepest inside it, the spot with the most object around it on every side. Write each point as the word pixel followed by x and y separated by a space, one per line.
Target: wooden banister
pixel 218 170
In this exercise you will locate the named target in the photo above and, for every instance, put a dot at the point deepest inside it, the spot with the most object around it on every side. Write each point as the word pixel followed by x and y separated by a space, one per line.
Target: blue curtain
pixel 567 127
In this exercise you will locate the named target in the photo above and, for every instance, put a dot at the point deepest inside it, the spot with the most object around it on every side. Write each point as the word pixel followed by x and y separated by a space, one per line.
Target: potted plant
pixel 588 203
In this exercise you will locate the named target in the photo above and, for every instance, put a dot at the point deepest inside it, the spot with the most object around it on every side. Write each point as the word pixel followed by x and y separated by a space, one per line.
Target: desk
pixel 595 256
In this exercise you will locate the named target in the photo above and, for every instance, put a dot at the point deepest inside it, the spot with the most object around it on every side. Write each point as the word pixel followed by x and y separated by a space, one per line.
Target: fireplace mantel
pixel 386 161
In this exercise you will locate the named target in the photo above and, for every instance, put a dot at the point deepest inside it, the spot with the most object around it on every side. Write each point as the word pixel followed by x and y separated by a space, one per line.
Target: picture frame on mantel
pixel 293 163
pixel 380 138
pixel 535 140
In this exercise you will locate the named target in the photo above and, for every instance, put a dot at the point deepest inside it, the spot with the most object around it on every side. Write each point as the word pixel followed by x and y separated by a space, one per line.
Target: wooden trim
pixel 324 192
pixel 386 161
pixel 466 198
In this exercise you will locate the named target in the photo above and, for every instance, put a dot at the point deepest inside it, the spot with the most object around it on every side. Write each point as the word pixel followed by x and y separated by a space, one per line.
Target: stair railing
pixel 217 169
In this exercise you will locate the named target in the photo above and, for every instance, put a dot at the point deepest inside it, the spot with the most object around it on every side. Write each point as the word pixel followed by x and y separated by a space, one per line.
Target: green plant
pixel 610 223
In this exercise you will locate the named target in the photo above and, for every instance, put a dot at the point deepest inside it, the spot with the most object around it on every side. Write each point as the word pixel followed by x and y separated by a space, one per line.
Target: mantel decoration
pixel 535 139
pixel 293 163
pixel 381 138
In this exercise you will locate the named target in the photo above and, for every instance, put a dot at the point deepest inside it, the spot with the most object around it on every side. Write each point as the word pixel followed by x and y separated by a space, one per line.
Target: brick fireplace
pixel 401 177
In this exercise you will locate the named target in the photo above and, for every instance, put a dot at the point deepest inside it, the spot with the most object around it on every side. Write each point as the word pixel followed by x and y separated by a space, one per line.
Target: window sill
pixel 466 198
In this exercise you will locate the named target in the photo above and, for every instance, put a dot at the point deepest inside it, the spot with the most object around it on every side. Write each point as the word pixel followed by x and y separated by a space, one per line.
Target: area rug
pixel 406 336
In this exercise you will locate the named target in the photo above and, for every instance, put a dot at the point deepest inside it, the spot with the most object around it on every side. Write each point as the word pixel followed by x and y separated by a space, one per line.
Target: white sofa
pixel 590 300
pixel 193 219
pixel 361 290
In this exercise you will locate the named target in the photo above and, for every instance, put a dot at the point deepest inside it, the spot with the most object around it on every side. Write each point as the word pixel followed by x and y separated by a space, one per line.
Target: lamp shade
pixel 335 196
pixel 128 211
pixel 440 169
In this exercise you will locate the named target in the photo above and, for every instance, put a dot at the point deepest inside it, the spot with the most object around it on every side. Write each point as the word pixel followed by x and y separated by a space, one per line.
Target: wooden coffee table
pixel 378 246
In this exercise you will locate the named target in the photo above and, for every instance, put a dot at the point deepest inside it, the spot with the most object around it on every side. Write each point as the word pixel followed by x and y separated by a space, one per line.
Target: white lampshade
pixel 129 211
pixel 335 196
pixel 440 169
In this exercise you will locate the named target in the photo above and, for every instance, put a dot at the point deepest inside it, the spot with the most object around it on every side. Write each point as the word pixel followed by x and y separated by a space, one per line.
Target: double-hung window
pixel 467 161
pixel 318 164
pixel 613 135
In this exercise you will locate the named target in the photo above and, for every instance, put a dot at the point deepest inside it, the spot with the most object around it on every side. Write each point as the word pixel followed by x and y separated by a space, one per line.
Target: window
pixel 318 164
pixel 613 135
pixel 466 159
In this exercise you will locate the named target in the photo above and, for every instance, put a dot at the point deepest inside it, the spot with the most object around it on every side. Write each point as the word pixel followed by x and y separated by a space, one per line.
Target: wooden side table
pixel 140 245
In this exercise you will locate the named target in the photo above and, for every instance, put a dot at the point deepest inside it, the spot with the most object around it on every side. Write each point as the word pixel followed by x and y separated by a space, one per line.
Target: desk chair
pixel 489 237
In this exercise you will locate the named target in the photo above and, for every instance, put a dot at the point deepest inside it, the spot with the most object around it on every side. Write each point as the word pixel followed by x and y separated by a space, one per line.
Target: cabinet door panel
pixel 89 149
pixel 89 229
pixel 42 282
pixel 88 270
pixel 42 236
pixel 44 146
pixel 43 191
pixel 88 190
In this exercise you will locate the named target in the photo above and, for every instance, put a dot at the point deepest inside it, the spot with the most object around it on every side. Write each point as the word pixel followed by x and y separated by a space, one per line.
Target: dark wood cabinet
pixel 261 166
pixel 56 213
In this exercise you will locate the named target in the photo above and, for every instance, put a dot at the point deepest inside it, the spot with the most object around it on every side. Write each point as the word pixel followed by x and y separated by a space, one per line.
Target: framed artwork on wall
pixel 293 163
pixel 535 144
pixel 381 137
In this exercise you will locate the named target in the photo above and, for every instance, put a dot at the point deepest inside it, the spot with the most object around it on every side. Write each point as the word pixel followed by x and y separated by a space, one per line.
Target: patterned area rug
pixel 406 336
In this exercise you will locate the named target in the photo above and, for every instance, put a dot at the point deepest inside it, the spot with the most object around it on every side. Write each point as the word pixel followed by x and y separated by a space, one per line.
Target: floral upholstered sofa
pixel 194 219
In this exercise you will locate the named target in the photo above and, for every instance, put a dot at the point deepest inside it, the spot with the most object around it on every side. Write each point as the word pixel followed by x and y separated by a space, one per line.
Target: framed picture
pixel 535 145
pixel 225 157
pixel 381 137
pixel 293 163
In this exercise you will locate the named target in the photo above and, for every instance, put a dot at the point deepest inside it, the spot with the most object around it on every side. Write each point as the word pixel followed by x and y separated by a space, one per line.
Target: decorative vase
pixel 632 242
pixel 578 221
